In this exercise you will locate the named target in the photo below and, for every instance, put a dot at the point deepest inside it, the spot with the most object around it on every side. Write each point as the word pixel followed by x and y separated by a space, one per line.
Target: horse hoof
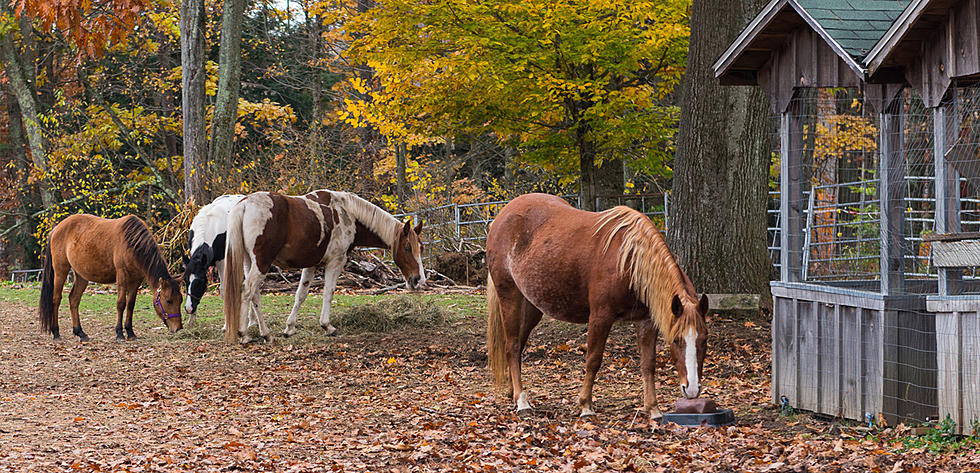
pixel 130 338
pixel 525 413
pixel 266 339
pixel 330 329
pixel 586 413
pixel 120 338
pixel 83 338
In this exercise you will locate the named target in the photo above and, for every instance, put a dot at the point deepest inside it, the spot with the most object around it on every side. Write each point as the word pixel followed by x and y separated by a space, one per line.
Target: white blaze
pixel 692 389
pixel 187 302
pixel 418 259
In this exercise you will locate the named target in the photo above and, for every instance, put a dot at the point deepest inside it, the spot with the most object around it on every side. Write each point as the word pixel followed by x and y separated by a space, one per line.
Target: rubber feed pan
pixel 714 419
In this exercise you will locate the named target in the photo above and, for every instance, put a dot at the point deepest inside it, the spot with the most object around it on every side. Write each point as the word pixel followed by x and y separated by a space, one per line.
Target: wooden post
pixel 947 192
pixel 891 173
pixel 791 194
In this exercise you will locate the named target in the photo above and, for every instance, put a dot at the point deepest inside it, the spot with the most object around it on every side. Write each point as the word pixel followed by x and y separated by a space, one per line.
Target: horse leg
pixel 74 297
pixel 599 325
pixel 60 275
pixel 330 273
pixel 646 337
pixel 251 300
pixel 514 309
pixel 130 305
pixel 301 293
pixel 121 289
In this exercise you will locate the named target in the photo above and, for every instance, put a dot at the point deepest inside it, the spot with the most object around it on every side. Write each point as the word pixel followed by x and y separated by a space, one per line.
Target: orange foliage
pixel 91 25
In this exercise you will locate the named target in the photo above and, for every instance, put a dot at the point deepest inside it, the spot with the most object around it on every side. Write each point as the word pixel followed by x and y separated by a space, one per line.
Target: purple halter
pixel 159 305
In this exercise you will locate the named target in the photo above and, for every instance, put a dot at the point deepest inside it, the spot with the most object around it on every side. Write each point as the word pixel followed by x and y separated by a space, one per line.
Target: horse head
pixel 166 302
pixel 196 276
pixel 407 252
pixel 690 342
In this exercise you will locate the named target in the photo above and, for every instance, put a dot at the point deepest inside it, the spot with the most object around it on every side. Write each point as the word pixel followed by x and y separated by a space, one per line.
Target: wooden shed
pixel 896 344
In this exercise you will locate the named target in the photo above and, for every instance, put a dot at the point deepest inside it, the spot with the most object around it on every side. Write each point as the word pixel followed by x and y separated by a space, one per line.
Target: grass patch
pixel 99 302
pixel 943 439
pixel 393 313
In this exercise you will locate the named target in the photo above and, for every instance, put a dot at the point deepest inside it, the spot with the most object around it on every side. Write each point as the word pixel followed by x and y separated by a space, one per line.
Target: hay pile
pixel 392 313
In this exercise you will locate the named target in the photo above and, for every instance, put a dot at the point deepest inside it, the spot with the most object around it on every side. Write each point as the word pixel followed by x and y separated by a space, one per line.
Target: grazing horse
pixel 100 250
pixel 595 268
pixel 207 248
pixel 321 227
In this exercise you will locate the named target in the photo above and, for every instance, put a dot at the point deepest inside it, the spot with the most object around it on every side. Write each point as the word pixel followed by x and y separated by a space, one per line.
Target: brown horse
pixel 545 256
pixel 305 231
pixel 100 250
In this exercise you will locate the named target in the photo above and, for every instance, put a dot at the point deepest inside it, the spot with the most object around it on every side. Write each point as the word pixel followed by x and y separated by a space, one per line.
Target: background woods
pixel 139 106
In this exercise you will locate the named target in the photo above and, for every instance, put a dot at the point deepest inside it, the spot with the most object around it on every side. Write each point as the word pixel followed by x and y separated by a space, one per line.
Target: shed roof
pixel 850 27
pixel 856 25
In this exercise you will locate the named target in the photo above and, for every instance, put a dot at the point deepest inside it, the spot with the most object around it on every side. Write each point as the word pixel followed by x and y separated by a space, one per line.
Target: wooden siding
pixel 847 353
pixel 804 60
pixel 958 347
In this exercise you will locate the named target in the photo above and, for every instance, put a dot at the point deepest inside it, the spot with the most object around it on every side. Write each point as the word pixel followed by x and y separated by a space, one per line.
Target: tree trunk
pixel 229 82
pixel 610 183
pixel 401 185
pixel 717 225
pixel 27 101
pixel 367 138
pixel 587 169
pixel 192 95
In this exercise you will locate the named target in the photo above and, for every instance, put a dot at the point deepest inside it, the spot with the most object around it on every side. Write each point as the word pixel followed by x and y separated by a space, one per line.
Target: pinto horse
pixel 546 257
pixel 321 227
pixel 207 248
pixel 101 250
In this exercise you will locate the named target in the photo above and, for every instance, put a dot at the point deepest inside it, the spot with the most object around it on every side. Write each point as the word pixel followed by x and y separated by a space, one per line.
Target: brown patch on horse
pixel 648 264
pixel 294 235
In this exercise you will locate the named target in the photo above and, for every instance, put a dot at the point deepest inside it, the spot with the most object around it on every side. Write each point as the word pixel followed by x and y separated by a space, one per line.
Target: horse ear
pixel 418 228
pixel 676 307
pixel 408 225
pixel 703 305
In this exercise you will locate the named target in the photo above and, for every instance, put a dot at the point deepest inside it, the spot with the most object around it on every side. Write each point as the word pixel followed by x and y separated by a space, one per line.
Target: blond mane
pixel 371 216
pixel 649 265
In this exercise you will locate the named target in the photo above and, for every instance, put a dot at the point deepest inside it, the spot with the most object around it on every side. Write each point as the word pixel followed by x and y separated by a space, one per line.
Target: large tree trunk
pixel 229 82
pixel 192 95
pixel 717 225
pixel 26 99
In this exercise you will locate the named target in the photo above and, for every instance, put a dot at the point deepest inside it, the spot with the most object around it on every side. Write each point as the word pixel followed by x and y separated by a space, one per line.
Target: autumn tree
pixel 719 198
pixel 229 78
pixel 193 77
pixel 580 86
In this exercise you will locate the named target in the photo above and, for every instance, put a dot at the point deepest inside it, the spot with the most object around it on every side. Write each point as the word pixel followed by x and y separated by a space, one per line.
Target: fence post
pixel 459 240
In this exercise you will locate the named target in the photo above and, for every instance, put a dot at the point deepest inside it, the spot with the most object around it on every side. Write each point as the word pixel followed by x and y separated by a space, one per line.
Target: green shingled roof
pixel 855 24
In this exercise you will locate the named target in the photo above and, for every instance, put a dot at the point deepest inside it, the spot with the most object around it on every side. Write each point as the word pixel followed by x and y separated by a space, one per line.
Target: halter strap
pixel 159 305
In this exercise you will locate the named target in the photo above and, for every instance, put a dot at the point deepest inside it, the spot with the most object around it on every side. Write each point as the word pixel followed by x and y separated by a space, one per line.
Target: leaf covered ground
pixel 417 399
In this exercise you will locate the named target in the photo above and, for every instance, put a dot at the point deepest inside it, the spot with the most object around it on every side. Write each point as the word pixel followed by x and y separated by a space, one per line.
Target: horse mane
pixel 371 216
pixel 144 248
pixel 649 265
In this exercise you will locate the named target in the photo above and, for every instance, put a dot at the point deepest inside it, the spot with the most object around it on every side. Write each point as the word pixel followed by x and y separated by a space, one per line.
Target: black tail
pixel 47 293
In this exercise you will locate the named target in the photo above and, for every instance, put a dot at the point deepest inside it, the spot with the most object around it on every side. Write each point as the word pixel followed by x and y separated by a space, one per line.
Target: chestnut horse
pixel 321 227
pixel 546 257
pixel 100 250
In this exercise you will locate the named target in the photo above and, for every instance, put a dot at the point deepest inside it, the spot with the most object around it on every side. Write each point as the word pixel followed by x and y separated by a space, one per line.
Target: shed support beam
pixel 791 194
pixel 891 170
pixel 947 191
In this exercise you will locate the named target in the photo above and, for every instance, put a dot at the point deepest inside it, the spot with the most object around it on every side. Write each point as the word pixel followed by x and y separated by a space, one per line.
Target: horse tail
pixel 234 273
pixel 496 341
pixel 46 305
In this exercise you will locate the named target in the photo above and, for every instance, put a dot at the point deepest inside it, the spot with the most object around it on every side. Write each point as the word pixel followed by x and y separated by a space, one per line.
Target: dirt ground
pixel 417 400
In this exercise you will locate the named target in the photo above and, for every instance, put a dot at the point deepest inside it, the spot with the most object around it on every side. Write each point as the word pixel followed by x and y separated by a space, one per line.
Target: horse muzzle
pixel 691 393
pixel 413 281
